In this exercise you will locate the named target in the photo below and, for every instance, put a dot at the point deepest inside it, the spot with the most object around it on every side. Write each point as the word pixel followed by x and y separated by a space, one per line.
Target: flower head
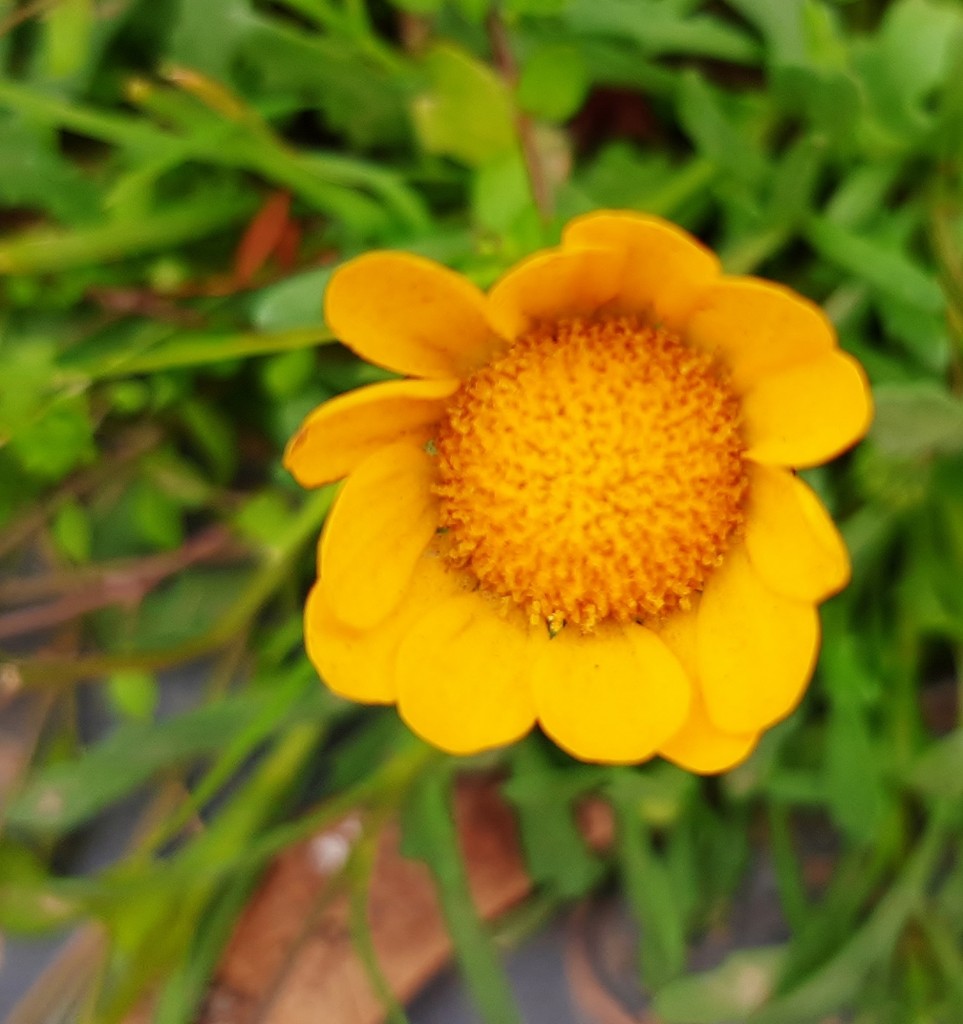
pixel 579 508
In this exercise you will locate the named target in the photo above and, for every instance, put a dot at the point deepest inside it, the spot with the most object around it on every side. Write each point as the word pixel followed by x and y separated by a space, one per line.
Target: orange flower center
pixel 592 473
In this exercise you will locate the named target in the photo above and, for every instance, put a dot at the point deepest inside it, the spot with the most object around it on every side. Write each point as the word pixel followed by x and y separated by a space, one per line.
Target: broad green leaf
pixel 721 126
pixel 649 887
pixel 58 440
pixel 34 176
pixel 67 29
pixel 660 28
pixel 501 193
pixel 66 794
pixel 429 834
pixel 292 303
pixel 214 435
pixel 727 993
pixel 543 796
pixel 938 771
pixel 158 517
pixel 31 901
pixel 853 773
pixel 466 112
pixel 782 26
pixel 133 694
pixel 917 419
pixel 71 531
pixel 554 82
pixel 880 265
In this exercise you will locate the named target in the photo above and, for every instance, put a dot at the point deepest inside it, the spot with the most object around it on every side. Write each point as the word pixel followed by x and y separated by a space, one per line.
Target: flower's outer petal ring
pixel 461 674
pixel 702 748
pixel 791 540
pixel 378 528
pixel 409 314
pixel 340 434
pixel 614 696
pixel 755 649
pixel 757 328
pixel 553 285
pixel 360 664
pixel 808 413
pixel 665 268
pixel 699 746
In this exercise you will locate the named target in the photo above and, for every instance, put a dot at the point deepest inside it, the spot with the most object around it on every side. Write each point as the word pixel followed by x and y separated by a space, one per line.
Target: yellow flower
pixel 579 508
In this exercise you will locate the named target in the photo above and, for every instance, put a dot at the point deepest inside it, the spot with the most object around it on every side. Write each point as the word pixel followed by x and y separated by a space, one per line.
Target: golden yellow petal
pixel 755 649
pixel 665 268
pixel 462 674
pixel 700 747
pixel 380 524
pixel 792 542
pixel 613 696
pixel 554 284
pixel 757 328
pixel 360 664
pixel 807 413
pixel 409 314
pixel 340 434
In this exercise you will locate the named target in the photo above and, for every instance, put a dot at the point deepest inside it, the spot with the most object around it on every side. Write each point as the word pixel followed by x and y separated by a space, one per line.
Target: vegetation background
pixel 177 179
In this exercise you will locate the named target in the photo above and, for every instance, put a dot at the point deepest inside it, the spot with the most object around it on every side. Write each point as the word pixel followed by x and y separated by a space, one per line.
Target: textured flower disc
pixel 594 472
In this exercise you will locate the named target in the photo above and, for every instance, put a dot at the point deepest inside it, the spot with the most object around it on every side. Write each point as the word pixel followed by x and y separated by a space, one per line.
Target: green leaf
pixel 501 193
pixel 264 517
pixel 853 774
pixel 648 884
pixel 782 25
pixel 554 82
pixel 719 124
pixel 68 28
pixel 213 433
pixel 466 112
pixel 555 852
pixel 430 835
pixel 292 303
pixel 938 771
pixel 133 694
pixel 59 440
pixel 877 263
pixel 917 419
pixel 158 517
pixel 660 28
pixel 34 176
pixel 729 992
pixel 64 795
pixel 534 8
pixel 72 532
pixel 31 902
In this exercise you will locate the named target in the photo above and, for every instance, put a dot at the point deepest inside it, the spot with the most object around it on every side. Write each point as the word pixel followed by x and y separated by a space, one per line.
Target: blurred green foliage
pixel 177 179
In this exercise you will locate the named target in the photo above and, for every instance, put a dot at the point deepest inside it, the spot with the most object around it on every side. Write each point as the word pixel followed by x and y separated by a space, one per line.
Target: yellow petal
pixel 338 435
pixel 699 746
pixel 755 648
pixel 462 676
pixel 792 542
pixel 552 285
pixel 378 528
pixel 665 268
pixel 757 328
pixel 360 664
pixel 613 696
pixel 409 314
pixel 808 413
